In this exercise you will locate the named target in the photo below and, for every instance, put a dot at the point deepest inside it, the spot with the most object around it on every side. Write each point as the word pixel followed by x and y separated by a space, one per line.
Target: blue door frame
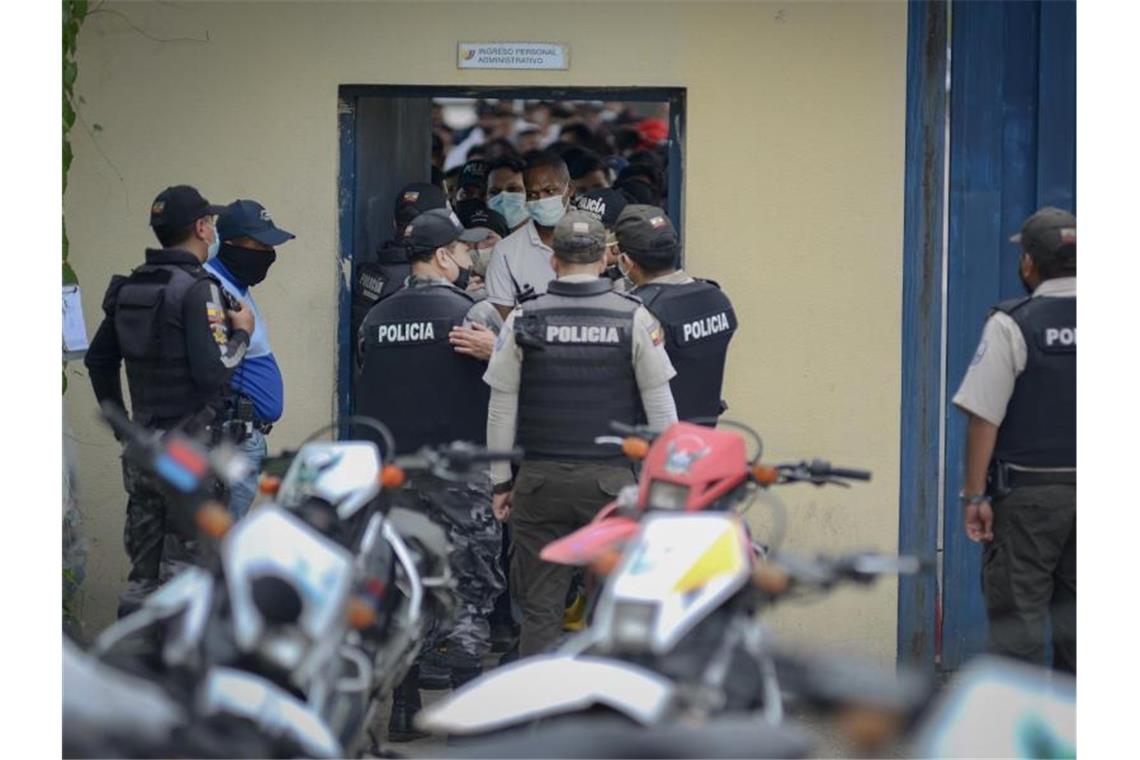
pixel 1012 149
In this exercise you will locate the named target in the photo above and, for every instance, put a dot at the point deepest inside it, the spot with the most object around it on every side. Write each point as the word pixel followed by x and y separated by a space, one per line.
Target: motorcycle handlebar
pixel 849 474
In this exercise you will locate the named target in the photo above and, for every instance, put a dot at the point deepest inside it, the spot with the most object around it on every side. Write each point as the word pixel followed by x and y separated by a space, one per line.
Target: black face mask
pixel 246 264
pixel 463 279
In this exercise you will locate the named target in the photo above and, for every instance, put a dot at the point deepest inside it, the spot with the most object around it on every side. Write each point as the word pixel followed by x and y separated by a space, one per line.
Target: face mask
pixel 480 259
pixel 464 277
pixel 548 211
pixel 512 206
pixel 467 206
pixel 212 249
pixel 625 274
pixel 245 264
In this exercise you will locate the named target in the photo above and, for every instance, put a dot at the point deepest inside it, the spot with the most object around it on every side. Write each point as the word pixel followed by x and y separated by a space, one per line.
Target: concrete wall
pixel 793 171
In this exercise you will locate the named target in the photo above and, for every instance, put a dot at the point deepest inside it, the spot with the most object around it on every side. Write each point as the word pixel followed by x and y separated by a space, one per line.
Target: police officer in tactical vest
pixel 180 340
pixel 384 273
pixel 567 362
pixel 427 393
pixel 697 316
pixel 1020 490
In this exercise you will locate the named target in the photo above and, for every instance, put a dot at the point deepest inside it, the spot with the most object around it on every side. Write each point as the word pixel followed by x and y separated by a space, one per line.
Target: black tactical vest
pixel 376 280
pixel 577 370
pixel 1040 424
pixel 699 322
pixel 147 311
pixel 410 377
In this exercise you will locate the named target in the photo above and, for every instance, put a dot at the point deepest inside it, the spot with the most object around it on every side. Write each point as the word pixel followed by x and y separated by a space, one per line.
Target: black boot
pixel 405 704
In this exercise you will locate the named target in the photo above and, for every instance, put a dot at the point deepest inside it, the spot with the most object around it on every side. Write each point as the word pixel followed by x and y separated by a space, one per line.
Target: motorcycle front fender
pixel 549 685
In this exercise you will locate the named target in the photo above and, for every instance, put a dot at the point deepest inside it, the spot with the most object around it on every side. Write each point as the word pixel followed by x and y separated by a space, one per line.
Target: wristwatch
pixel 972 501
pixel 504 487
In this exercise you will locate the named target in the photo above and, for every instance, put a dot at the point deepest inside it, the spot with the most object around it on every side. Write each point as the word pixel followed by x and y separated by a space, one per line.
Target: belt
pixel 1007 476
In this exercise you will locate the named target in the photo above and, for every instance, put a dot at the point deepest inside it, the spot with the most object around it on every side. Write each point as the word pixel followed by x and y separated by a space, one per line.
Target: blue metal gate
pixel 1012 112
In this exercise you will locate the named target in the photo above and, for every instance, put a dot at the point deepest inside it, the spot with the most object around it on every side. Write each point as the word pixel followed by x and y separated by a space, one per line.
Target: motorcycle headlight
pixel 671 496
pixel 633 623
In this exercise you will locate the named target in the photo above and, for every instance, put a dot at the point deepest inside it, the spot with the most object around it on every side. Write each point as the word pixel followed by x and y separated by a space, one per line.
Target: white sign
pixel 74 331
pixel 513 55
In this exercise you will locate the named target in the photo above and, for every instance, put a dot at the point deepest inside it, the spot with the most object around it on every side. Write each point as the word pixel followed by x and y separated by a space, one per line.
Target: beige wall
pixel 793 172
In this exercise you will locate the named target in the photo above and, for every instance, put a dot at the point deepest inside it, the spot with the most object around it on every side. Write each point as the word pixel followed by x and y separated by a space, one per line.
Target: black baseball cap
pixel 419 197
pixel 439 227
pixel 474 213
pixel 604 203
pixel 246 218
pixel 646 234
pixel 1050 230
pixel 179 206
pixel 473 173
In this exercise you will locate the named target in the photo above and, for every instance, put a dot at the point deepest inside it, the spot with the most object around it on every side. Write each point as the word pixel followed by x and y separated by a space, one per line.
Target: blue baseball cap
pixel 246 218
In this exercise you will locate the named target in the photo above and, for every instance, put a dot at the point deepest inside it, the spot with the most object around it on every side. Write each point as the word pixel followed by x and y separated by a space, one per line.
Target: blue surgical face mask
pixel 212 250
pixel 512 206
pixel 548 211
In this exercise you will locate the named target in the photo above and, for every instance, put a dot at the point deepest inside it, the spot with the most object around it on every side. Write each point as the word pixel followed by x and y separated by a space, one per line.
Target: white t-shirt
pixel 519 262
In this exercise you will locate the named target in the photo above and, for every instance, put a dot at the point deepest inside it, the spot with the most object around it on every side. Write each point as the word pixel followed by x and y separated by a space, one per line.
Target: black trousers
pixel 551 500
pixel 1029 575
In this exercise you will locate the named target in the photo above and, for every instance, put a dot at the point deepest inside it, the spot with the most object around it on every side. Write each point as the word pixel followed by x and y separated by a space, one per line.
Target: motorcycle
pixel 402 574
pixel 257 633
pixel 673 635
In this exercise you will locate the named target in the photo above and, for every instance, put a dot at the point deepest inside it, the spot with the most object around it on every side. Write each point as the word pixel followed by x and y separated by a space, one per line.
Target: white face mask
pixel 547 211
pixel 212 249
pixel 511 205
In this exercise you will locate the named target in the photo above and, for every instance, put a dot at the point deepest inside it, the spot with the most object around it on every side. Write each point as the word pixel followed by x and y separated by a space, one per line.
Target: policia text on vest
pixel 699 323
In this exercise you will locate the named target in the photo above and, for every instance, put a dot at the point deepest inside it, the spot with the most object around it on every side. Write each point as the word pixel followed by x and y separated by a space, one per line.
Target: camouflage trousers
pixel 155 540
pixel 464 511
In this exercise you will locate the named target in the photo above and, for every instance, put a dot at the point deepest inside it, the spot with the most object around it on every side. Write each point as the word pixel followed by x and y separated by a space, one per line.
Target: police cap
pixel 647 236
pixel 437 228
pixel 180 206
pixel 1050 231
pixel 579 238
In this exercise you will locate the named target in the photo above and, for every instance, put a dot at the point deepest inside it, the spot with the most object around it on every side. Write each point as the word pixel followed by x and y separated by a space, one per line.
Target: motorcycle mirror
pixel 269 485
pixel 392 477
pixel 635 448
pixel 213 519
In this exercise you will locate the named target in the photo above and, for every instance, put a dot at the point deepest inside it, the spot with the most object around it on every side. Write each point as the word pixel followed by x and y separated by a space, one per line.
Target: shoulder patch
pixel 981 352
pixel 656 334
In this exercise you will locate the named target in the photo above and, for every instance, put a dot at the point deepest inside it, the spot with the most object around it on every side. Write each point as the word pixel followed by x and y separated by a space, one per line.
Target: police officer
pixel 180 341
pixel 567 363
pixel 428 394
pixel 1020 495
pixel 697 316
pixel 606 205
pixel 385 273
pixel 256 396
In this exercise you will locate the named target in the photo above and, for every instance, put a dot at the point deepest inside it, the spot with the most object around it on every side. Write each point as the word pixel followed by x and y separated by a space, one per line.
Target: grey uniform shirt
pixel 988 385
pixel 518 262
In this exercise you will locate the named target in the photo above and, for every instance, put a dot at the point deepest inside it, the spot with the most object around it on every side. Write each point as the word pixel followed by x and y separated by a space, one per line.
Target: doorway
pixel 386 141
